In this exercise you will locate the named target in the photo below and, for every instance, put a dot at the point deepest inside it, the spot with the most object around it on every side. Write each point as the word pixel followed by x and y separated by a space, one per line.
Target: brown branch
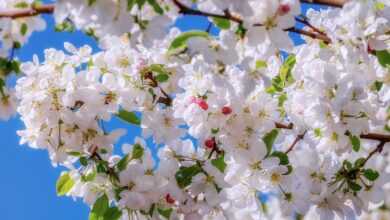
pixel 378 149
pixel 382 138
pixel 297 139
pixel 307 23
pixel 28 12
pixel 333 3
pixel 183 9
pixel 310 34
pixel 49 8
pixel 283 126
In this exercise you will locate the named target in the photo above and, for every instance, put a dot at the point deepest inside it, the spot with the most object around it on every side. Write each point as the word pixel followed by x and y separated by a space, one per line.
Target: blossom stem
pixel 297 139
pixel 378 149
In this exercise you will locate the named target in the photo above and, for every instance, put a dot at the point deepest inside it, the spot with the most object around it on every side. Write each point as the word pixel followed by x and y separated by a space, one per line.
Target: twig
pixel 28 12
pixel 310 34
pixel 304 21
pixel 297 139
pixel 333 3
pixel 227 15
pixel 378 149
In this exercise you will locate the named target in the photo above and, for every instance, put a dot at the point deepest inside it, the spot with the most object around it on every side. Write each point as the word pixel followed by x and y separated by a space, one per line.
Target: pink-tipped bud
pixel 210 143
pixel 284 9
pixel 226 110
pixel 169 199
pixel 202 104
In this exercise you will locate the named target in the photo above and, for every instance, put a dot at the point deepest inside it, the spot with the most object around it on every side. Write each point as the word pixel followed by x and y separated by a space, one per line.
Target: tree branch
pixel 184 9
pixel 28 12
pixel 310 34
pixel 333 3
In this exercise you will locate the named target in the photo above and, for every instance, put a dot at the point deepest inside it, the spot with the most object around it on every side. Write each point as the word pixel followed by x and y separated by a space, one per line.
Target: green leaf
pixel 383 57
pixel 371 174
pixel 158 68
pixel 130 4
pixel 377 86
pixel 122 164
pixel 285 70
pixel 354 186
pixel 360 162
pixel 138 151
pixel 379 6
pixel 180 42
pixel 323 45
pixel 219 163
pixel 91 2
pixel 140 3
pixel 74 153
pixel 347 165
pixel 64 184
pixel 269 139
pixel 89 177
pixel 23 29
pixel 65 26
pixel 282 157
pixel 100 206
pixel 129 117
pixel 261 64
pixel 166 213
pixel 184 175
pixel 162 78
pixel 21 5
pixel 156 7
pixel 221 23
pixel 83 161
pixel 355 141
pixel 112 213
pixel 289 170
pixel 102 166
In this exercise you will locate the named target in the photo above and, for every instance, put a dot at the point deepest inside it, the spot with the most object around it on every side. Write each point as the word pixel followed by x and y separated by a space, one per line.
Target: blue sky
pixel 27 182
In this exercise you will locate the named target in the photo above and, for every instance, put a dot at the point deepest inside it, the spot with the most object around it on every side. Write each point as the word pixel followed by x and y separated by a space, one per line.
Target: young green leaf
pixel 100 206
pixel 383 57
pixel 219 163
pixel 64 184
pixel 371 174
pixel 269 139
pixel 166 213
pixel 23 29
pixel 355 141
pixel 180 42
pixel 122 164
pixel 283 158
pixel 156 7
pixel 285 70
pixel 184 175
pixel 129 117
pixel 112 213
pixel 222 23
pixel 138 151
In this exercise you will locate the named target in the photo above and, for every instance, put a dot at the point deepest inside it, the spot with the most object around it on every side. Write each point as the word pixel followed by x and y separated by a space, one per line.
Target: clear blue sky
pixel 27 182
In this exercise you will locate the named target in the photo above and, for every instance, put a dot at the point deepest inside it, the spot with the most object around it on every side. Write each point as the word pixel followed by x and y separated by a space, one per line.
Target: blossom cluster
pixel 247 124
